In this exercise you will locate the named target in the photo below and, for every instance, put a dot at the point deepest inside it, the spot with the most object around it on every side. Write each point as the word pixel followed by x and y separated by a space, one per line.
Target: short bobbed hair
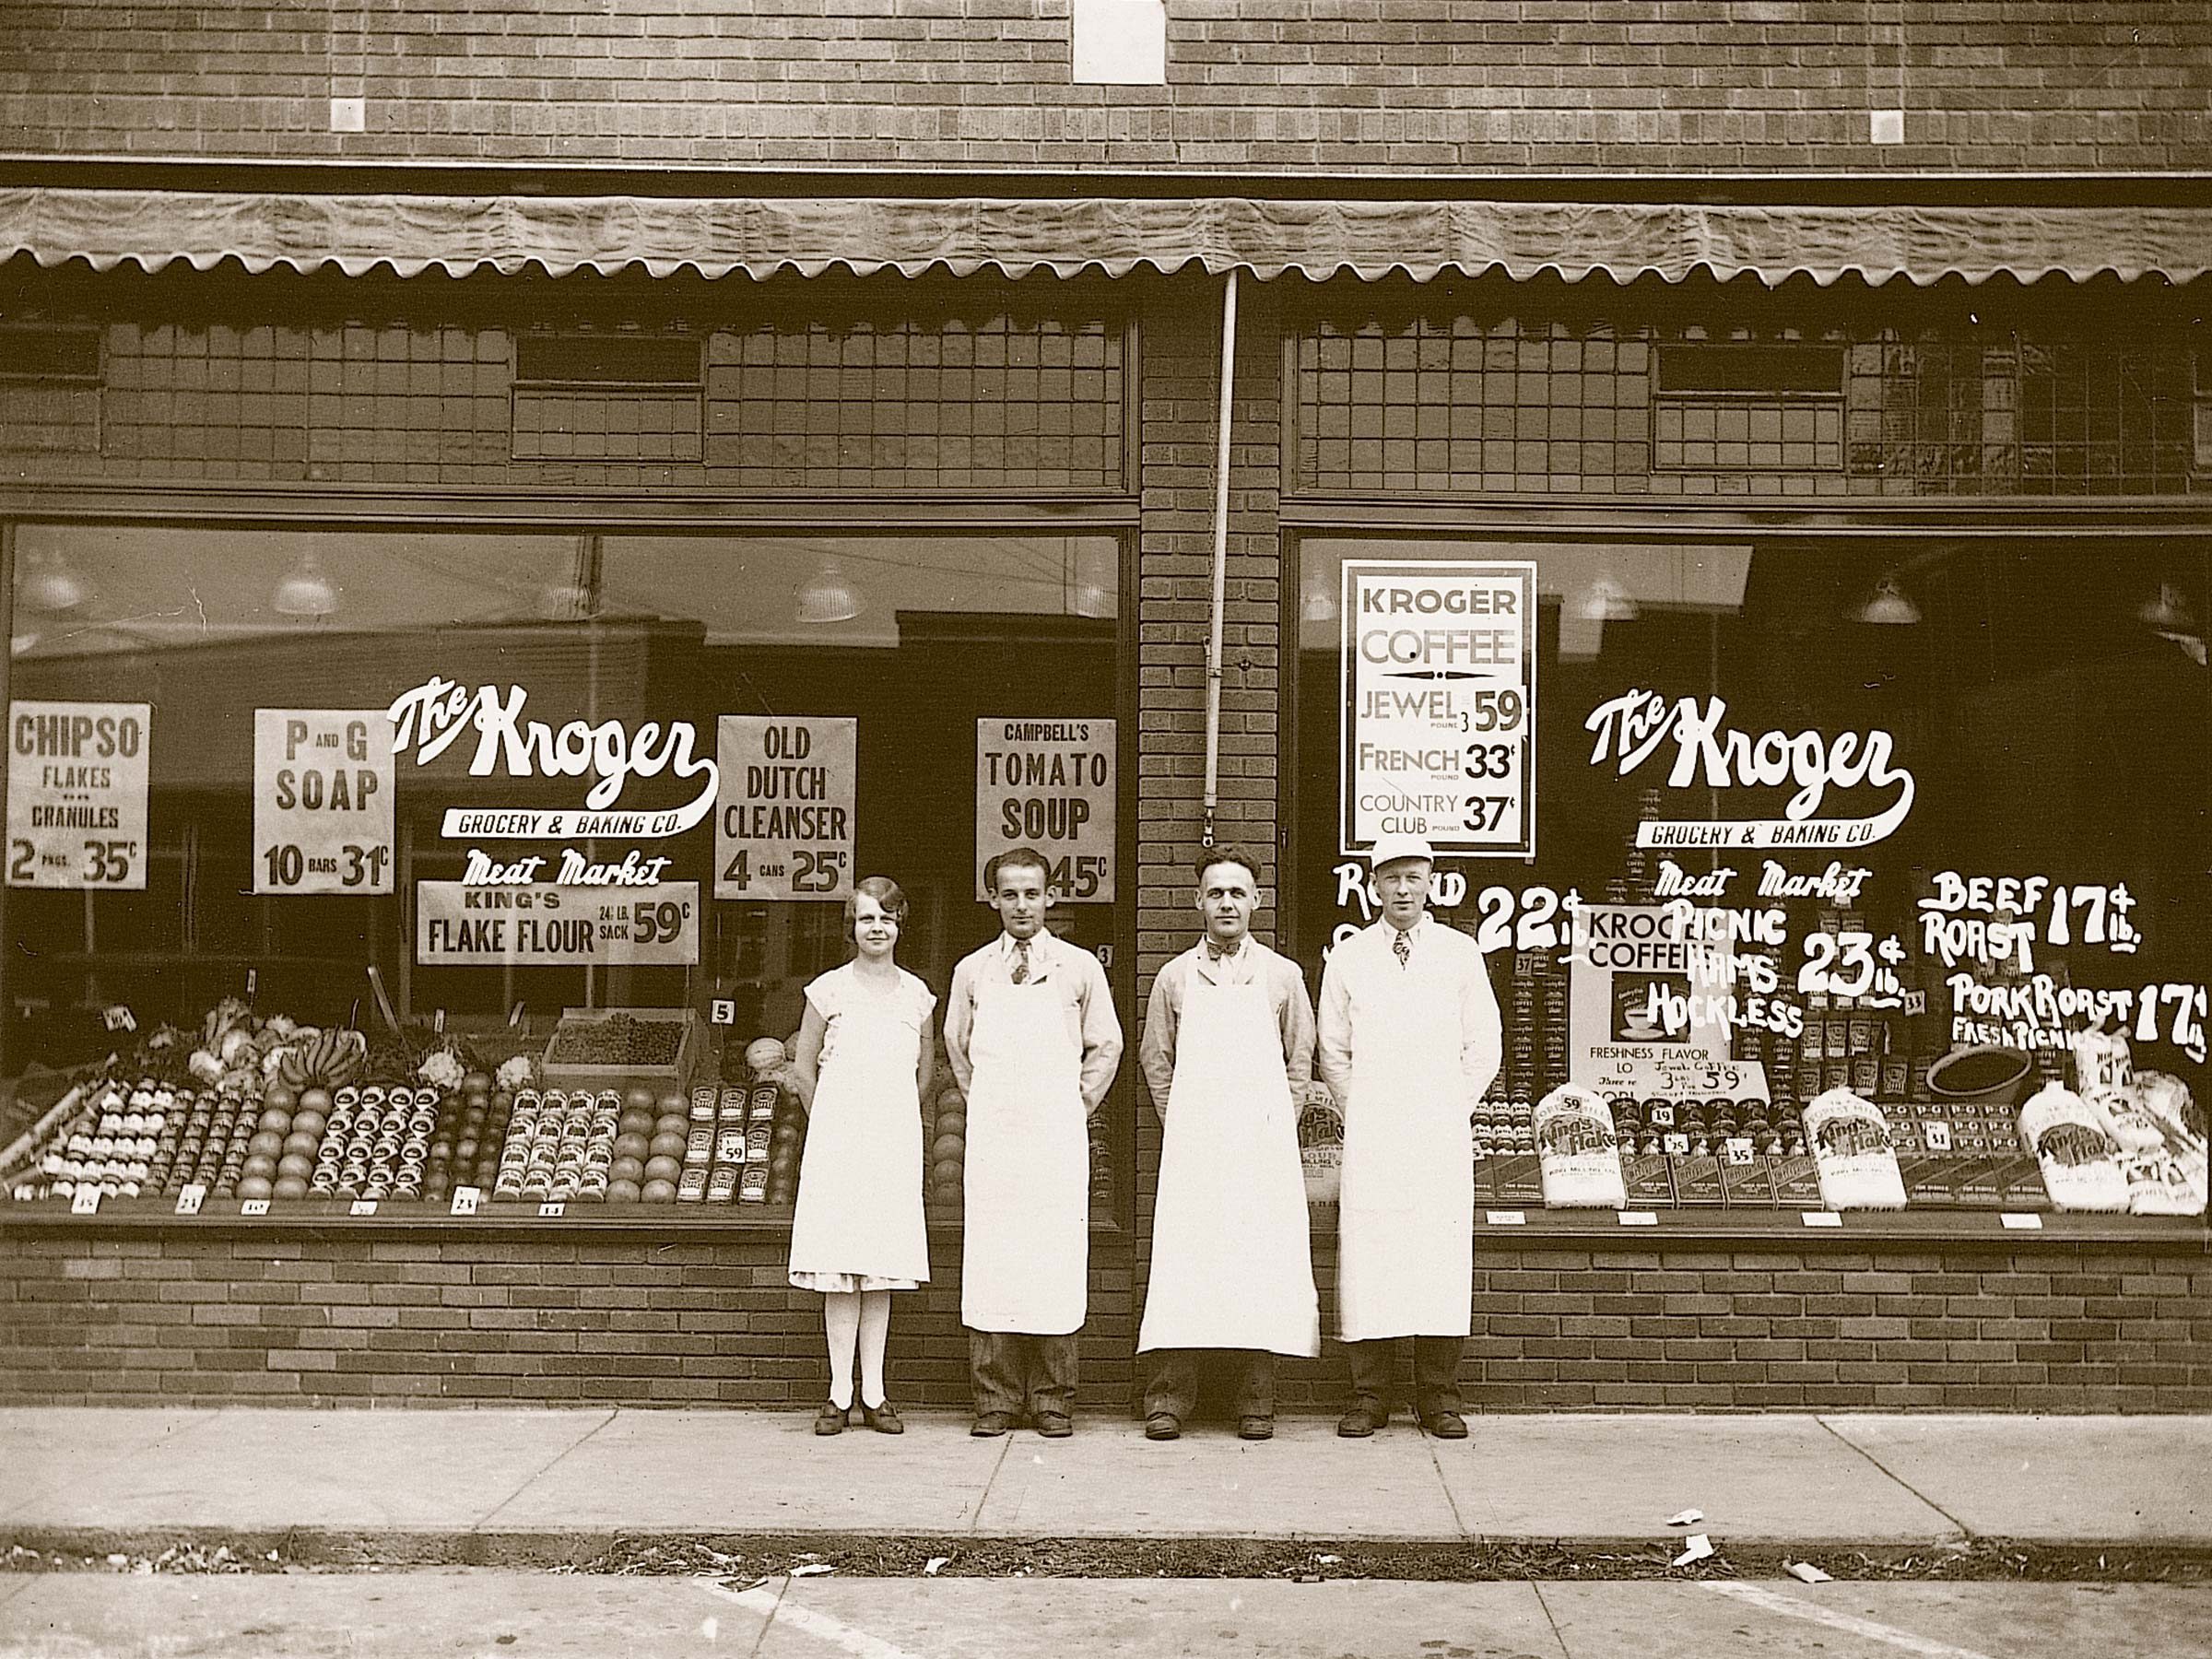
pixel 886 892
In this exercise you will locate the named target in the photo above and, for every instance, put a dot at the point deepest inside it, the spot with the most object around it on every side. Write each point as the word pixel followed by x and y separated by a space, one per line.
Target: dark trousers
pixel 1435 1370
pixel 1174 1385
pixel 1018 1372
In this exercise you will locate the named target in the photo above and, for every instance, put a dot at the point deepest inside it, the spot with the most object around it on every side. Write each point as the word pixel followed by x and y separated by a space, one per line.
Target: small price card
pixel 722 1010
pixel 362 1206
pixel 1739 1149
pixel 1821 1218
pixel 2022 1221
pixel 553 1207
pixel 1506 1217
pixel 190 1198
pixel 254 1206
pixel 1638 1217
pixel 1939 1135
pixel 1676 1144
pixel 85 1201
pixel 466 1200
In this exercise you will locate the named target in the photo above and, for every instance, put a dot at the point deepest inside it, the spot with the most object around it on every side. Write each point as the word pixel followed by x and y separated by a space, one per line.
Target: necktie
pixel 1403 948
pixel 1021 960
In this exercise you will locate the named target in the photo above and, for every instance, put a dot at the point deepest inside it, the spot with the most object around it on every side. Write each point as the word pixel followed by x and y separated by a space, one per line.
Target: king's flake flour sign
pixel 1440 705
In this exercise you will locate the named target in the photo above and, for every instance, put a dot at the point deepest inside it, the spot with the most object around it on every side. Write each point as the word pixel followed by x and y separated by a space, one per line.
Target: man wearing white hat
pixel 1408 1040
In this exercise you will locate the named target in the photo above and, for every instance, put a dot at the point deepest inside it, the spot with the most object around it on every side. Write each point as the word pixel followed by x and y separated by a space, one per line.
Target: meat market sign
pixel 1440 705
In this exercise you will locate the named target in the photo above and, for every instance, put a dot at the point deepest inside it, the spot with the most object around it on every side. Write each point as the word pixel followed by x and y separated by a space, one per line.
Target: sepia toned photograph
pixel 974 828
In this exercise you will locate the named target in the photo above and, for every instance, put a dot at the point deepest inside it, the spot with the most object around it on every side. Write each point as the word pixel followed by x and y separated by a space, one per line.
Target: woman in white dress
pixel 862 1068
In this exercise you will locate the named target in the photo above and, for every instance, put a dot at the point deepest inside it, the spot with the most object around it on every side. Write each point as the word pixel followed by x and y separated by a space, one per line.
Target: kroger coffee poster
pixel 1440 705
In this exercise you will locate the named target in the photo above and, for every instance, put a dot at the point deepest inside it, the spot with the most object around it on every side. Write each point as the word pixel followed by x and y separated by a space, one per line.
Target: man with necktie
pixel 1229 1036
pixel 1031 1032
pixel 1408 1040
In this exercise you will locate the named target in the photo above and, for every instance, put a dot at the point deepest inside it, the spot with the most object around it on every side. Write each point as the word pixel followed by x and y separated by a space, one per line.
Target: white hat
pixel 1390 847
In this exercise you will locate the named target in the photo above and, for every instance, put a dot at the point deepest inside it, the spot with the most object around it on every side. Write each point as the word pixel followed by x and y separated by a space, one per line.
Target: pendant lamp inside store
pixel 828 596
pixel 1606 599
pixel 1316 602
pixel 2170 615
pixel 1090 586
pixel 1889 606
pixel 50 584
pixel 305 591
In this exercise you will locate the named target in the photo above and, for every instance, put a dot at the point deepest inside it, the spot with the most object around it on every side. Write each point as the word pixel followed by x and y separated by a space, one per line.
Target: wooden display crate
pixel 574 1075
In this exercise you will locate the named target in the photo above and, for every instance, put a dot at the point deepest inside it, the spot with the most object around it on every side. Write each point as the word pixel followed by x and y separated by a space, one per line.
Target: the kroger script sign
pixel 1708 753
pixel 1440 705
pixel 438 714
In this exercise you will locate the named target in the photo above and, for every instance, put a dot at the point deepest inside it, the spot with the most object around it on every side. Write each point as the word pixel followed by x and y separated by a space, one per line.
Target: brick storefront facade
pixel 1458 405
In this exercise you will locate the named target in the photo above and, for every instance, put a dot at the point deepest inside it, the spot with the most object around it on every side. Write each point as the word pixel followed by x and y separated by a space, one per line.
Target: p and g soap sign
pixel 1440 705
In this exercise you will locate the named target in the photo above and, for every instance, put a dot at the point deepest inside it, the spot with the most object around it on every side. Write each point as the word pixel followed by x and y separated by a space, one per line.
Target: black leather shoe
pixel 1055 1425
pixel 883 1419
pixel 1255 1427
pixel 1444 1425
pixel 1362 1419
pixel 990 1423
pixel 1163 1425
pixel 831 1419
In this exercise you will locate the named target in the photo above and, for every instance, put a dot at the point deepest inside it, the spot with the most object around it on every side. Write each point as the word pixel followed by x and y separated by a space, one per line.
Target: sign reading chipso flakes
pixel 1048 785
pixel 783 823
pixel 322 800
pixel 1440 705
pixel 76 781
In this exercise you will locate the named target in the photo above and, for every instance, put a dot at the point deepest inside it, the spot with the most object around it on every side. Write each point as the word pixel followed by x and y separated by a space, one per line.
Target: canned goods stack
pixel 375 1142
pixel 728 1166
pixel 559 1147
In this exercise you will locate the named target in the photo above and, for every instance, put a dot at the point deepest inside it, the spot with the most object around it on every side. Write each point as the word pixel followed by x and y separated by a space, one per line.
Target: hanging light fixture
pixel 1607 598
pixel 828 596
pixel 1088 593
pixel 48 583
pixel 1316 602
pixel 305 591
pixel 1889 606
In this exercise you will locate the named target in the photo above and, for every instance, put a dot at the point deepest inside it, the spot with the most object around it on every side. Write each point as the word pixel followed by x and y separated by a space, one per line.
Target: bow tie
pixel 1218 953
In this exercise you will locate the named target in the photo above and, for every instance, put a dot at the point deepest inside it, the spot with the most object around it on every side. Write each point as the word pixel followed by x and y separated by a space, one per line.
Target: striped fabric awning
pixel 410 234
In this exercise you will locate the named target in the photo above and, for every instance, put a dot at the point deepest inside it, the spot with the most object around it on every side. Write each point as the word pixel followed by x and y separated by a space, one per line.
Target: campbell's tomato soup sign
pixel 1440 705
pixel 1048 785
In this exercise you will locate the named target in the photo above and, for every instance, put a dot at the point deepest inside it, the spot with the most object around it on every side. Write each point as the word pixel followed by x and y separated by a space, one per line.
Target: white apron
pixel 1027 1250
pixel 1232 1260
pixel 860 1180
pixel 1405 1219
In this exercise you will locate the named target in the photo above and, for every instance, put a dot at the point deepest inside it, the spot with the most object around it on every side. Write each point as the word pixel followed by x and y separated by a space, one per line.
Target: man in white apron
pixel 1408 1040
pixel 1229 1035
pixel 1031 1032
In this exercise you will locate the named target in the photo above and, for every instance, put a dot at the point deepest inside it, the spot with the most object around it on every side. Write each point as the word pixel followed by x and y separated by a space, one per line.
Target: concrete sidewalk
pixel 483 1474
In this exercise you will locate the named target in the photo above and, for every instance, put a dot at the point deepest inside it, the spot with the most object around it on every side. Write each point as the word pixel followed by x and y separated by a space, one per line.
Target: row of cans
pixel 723 1184
pixel 735 1104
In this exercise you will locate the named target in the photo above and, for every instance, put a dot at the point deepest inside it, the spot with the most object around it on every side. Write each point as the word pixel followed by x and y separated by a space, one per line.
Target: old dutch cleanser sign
pixel 322 800
pixel 1440 705
pixel 1048 785
pixel 76 781
pixel 539 925
pixel 783 821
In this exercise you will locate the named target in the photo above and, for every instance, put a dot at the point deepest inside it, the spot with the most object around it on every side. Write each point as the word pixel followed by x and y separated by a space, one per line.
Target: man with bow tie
pixel 1228 1040
pixel 1408 1039
pixel 1030 1033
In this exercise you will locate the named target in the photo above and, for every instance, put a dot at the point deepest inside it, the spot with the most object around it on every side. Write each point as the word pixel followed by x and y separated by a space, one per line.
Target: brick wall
pixel 199 1316
pixel 1333 86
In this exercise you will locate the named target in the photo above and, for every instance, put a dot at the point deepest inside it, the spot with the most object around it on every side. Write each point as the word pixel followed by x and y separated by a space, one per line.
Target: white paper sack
pixel 1850 1142
pixel 1577 1152
pixel 2074 1150
pixel 2102 1060
pixel 2160 1183
pixel 2125 1119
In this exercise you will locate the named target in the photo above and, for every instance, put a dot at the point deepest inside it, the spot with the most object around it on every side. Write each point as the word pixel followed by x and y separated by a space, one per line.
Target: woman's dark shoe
pixel 831 1419
pixel 883 1419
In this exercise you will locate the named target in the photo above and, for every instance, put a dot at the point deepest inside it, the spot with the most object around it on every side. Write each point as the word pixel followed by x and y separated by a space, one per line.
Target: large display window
pixel 1793 859
pixel 501 860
